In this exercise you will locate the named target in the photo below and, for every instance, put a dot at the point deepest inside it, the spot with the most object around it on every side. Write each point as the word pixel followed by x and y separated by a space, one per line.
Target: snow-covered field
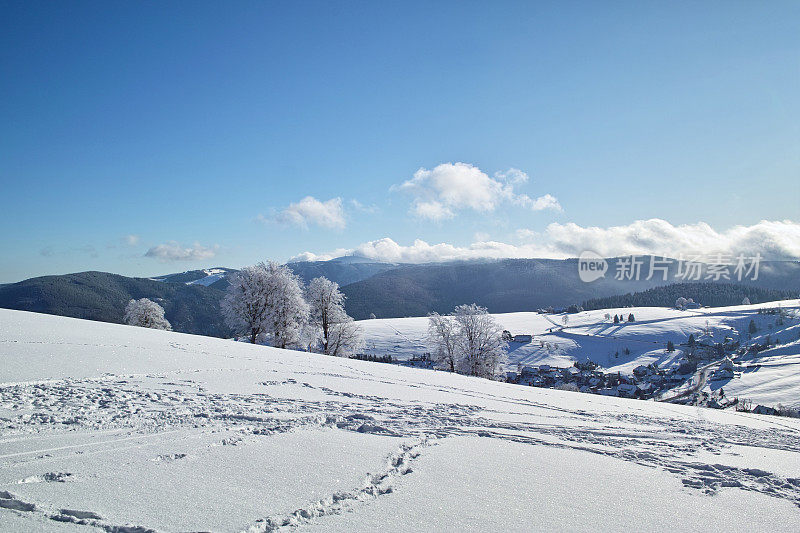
pixel 771 378
pixel 115 428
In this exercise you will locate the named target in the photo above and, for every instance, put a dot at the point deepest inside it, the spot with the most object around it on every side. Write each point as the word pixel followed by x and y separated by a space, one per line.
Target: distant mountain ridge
pixel 510 285
pixel 342 271
pixel 102 296
pixel 191 299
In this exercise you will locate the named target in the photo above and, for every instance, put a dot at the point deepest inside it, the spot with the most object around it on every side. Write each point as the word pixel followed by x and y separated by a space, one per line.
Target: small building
pixel 764 410
pixel 626 390
pixel 522 339
pixel 722 373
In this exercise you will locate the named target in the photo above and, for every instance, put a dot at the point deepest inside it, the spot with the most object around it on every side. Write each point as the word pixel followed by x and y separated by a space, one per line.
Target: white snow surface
pixel 117 428
pixel 212 276
pixel 771 378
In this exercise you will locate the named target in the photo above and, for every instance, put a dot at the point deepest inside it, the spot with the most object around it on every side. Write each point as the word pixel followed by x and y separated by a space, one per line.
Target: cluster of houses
pixel 645 382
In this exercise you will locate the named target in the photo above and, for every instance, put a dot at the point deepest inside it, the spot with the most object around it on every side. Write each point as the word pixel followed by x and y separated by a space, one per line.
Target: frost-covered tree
pixel 345 338
pixel 245 306
pixel 443 338
pixel 326 303
pixel 746 301
pixel 337 332
pixel 469 341
pixel 681 303
pixel 481 347
pixel 289 311
pixel 146 313
pixel 267 300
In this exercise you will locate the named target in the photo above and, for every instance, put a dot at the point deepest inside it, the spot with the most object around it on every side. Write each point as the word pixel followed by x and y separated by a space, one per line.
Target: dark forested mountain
pixel 516 285
pixel 707 294
pixel 102 296
pixel 343 270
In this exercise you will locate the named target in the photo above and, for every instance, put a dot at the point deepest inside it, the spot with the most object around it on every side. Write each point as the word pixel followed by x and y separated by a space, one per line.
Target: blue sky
pixel 145 138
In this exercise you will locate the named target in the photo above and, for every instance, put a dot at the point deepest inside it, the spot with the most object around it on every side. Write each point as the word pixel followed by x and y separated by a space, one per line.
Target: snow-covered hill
pixel 111 426
pixel 624 346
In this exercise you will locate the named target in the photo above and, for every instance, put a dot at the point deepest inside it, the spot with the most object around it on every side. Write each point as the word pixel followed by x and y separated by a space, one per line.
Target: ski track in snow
pixel 131 408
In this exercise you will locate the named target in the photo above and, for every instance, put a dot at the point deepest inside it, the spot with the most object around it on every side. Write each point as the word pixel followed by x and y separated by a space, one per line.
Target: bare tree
pixel 146 313
pixel 481 345
pixel 267 299
pixel 339 334
pixel 326 304
pixel 288 310
pixel 443 337
pixel 344 338
pixel 246 304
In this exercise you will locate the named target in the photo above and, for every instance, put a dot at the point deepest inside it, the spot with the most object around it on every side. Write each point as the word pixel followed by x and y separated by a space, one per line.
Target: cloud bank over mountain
pixel 771 239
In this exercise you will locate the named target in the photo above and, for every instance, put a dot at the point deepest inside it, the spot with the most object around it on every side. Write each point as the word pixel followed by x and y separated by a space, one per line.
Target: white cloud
pixel 132 240
pixel 526 234
pixel 772 239
pixel 480 236
pixel 327 256
pixel 309 210
pixel 432 210
pixel 172 251
pixel 358 206
pixel 775 239
pixel 546 202
pixel 440 192
pixel 513 176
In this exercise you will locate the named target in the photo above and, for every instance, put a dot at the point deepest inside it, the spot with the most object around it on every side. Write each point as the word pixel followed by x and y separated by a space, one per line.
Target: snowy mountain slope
pixel 590 335
pixel 204 277
pixel 112 426
pixel 213 275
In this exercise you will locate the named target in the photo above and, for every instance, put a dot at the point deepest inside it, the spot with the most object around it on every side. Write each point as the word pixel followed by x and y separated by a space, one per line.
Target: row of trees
pixel 268 302
pixel 468 341
pixel 712 294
